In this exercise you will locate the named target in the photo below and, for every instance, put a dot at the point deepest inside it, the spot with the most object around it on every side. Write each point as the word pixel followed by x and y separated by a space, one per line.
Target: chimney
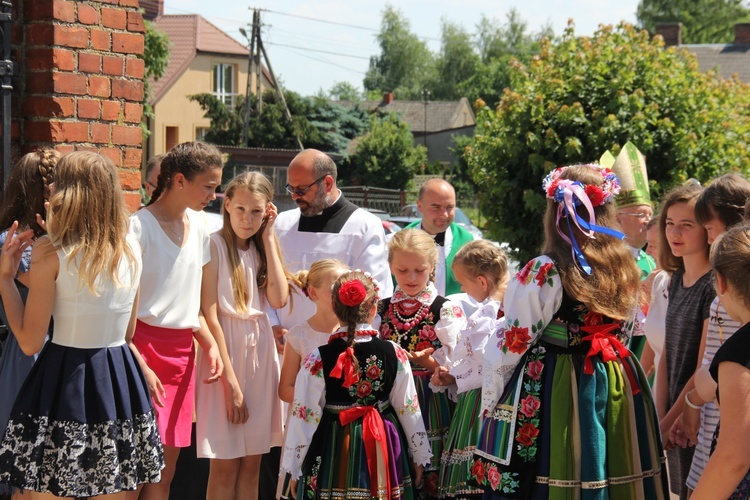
pixel 671 32
pixel 152 9
pixel 742 34
pixel 387 97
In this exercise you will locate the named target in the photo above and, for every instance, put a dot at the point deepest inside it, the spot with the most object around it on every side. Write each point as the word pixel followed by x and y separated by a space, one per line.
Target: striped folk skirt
pixel 572 426
pixel 458 455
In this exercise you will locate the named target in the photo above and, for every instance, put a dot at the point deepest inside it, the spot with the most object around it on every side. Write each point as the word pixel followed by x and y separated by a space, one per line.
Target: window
pixel 200 133
pixel 172 137
pixel 224 86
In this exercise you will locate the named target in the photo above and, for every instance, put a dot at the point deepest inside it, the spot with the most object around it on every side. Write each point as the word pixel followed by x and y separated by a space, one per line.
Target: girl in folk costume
pixel 719 207
pixel 243 278
pixel 567 408
pixel 175 247
pixel 427 326
pixel 727 474
pixel 356 427
pixel 482 270
pixel 302 339
pixel 83 424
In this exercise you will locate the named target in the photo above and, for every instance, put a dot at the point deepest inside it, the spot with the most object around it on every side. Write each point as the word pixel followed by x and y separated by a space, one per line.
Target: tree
pixel 704 21
pixel 344 91
pixel 456 62
pixel 155 59
pixel 405 64
pixel 318 123
pixel 585 95
pixel 386 156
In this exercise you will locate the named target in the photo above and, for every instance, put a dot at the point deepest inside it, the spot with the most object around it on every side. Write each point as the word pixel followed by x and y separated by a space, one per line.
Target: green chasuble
pixel 645 263
pixel 460 237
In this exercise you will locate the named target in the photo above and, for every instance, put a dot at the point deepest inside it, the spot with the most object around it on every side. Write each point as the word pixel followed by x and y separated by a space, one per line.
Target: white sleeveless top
pixel 85 320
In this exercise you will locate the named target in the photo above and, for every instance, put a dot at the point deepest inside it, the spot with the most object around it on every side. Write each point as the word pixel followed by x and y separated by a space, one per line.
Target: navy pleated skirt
pixel 82 424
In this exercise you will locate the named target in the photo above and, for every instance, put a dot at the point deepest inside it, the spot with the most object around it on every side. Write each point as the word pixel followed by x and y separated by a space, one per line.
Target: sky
pixel 308 55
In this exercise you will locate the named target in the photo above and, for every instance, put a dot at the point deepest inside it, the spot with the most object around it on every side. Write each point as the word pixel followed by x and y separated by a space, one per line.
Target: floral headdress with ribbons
pixel 352 293
pixel 570 195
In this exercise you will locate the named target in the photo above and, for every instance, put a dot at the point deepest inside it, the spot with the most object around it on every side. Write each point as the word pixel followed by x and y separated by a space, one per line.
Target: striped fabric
pixel 720 328
pixel 458 455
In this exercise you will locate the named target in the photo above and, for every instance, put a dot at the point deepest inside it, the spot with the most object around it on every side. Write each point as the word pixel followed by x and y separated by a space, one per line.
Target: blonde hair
pixel 482 258
pixel 687 194
pixel 27 189
pixel 318 272
pixel 256 183
pixel 612 287
pixel 87 215
pixel 414 241
pixel 730 257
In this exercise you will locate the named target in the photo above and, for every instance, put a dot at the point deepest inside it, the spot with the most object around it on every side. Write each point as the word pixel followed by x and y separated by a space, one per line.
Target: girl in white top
pixel 175 248
pixel 84 406
pixel 305 337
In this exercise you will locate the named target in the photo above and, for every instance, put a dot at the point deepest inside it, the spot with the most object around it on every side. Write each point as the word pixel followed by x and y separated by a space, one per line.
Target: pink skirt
pixel 170 353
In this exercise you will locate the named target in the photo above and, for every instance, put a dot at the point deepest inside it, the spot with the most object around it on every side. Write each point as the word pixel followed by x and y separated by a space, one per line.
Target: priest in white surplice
pixel 326 225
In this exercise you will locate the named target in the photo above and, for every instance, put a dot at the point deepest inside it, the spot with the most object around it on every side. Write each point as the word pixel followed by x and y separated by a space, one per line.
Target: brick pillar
pixel 671 32
pixel 84 81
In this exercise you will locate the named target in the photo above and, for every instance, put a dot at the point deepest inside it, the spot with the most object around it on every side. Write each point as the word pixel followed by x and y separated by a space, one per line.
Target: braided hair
pixel 27 189
pixel 189 159
pixel 350 316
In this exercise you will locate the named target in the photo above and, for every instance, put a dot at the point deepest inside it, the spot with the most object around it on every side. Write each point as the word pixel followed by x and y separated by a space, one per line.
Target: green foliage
pixel 155 59
pixel 456 62
pixel 344 91
pixel 405 65
pixel 386 156
pixel 319 124
pixel 703 21
pixel 585 95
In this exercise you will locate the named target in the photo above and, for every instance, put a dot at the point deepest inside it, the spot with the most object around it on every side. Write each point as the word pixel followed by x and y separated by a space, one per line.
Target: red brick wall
pixel 80 85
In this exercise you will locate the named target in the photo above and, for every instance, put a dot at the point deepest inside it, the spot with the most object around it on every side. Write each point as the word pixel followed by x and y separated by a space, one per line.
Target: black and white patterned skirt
pixel 82 425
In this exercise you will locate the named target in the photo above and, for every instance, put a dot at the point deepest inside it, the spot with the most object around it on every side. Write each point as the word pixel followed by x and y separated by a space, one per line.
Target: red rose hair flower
pixel 352 293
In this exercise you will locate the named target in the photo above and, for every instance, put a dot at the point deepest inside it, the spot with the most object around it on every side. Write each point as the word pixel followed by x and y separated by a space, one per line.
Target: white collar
pixel 426 296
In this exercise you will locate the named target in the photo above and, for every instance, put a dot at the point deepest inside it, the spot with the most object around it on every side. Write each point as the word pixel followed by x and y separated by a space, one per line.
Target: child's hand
pixel 13 249
pixel 278 336
pixel 236 407
pixel 418 469
pixel 214 361
pixel 423 358
pixel 158 394
pixel 677 434
pixel 40 220
pixel 268 224
pixel 441 377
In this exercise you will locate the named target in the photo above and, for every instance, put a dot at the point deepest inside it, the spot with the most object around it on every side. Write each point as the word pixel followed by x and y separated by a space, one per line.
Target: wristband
pixel 690 403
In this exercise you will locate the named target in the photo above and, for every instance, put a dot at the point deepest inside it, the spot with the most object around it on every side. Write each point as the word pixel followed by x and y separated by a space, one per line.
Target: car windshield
pixel 461 218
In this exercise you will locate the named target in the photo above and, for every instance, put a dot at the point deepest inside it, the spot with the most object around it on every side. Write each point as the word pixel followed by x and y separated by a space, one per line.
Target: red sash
pixel 373 434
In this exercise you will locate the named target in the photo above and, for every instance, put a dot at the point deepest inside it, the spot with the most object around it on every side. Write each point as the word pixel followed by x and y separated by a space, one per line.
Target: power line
pixel 317 50
pixel 324 61
pixel 354 26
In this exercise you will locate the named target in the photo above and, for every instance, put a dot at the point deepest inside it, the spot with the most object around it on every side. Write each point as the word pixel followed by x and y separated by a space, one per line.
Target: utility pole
pixel 257 49
pixel 425 101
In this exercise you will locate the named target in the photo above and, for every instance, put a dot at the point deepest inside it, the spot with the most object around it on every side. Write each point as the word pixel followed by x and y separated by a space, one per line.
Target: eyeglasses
pixel 303 190
pixel 639 215
pixel 149 183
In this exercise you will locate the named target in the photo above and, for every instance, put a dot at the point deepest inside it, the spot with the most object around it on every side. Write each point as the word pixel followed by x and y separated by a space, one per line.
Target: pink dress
pixel 252 350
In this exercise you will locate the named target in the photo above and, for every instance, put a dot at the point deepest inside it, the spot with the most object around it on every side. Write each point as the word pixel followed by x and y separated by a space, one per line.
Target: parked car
pixel 388 226
pixel 410 213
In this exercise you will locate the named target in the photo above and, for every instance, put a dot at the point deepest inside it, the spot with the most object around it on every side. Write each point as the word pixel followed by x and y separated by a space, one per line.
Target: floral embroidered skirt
pixel 437 412
pixel 336 464
pixel 82 425
pixel 560 432
pixel 458 455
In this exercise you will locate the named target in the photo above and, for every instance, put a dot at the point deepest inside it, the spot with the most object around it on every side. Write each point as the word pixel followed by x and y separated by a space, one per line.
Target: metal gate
pixel 6 72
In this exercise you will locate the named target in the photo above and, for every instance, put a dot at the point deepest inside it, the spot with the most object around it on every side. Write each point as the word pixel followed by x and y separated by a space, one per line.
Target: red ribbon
pixel 373 434
pixel 609 346
pixel 345 368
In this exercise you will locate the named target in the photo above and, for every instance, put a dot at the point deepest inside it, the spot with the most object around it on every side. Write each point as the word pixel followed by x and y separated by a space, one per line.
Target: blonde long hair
pixel 87 215
pixel 256 183
pixel 613 285
pixel 415 241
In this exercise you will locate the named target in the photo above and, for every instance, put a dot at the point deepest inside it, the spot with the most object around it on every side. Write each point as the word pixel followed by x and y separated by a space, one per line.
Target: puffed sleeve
pixel 306 410
pixel 466 366
pixel 448 330
pixel 533 296
pixel 403 398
